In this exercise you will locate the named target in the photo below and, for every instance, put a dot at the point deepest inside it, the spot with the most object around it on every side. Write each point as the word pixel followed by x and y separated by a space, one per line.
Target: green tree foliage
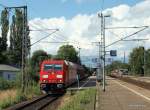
pixel 147 62
pixel 3 38
pixel 68 52
pixel 4 29
pixel 16 35
pixel 11 52
pixel 37 57
pixel 117 65
pixel 136 61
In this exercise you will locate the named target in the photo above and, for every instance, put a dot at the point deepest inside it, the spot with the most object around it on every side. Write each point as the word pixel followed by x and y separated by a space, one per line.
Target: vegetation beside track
pixel 6 84
pixel 17 96
pixel 138 63
pixel 83 100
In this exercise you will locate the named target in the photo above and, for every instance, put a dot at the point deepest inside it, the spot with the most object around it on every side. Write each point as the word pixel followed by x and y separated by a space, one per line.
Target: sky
pixel 66 8
pixel 79 24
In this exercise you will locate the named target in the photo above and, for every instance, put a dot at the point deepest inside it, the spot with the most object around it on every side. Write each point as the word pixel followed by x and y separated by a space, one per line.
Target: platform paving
pixel 118 97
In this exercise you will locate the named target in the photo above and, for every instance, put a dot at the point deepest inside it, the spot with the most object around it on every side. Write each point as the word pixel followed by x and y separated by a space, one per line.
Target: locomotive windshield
pixel 52 66
pixel 48 67
pixel 58 67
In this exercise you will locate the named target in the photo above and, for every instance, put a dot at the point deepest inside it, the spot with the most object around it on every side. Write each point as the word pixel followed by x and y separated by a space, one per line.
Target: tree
pixel 147 62
pixel 68 52
pixel 36 59
pixel 4 29
pixel 136 61
pixel 117 65
pixel 12 34
pixel 1 55
pixel 11 55
pixel 16 37
pixel 3 38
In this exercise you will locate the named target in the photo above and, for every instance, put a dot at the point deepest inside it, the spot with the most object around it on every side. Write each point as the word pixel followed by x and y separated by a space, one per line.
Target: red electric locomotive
pixel 56 75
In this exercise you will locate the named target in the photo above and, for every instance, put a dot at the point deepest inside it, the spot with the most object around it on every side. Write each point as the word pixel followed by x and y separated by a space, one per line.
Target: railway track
pixel 36 104
pixel 139 83
pixel 40 103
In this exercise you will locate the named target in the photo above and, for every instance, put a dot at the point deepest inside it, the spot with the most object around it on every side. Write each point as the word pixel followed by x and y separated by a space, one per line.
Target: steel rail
pixel 27 104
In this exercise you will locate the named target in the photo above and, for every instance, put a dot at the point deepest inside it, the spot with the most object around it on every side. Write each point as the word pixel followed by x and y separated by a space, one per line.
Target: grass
pixel 83 100
pixel 15 96
pixel 7 93
pixel 11 99
pixel 6 97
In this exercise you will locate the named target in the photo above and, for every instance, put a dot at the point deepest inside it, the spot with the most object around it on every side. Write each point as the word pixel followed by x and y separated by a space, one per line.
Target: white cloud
pixel 84 29
pixel 119 12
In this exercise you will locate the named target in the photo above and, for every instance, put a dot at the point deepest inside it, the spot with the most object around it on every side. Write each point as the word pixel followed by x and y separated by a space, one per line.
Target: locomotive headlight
pixel 45 76
pixel 59 76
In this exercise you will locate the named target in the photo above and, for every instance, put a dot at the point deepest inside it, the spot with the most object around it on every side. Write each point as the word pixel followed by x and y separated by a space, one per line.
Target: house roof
pixel 4 67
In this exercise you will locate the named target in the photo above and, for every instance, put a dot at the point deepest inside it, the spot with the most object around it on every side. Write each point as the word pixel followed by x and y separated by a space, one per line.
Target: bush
pixel 5 84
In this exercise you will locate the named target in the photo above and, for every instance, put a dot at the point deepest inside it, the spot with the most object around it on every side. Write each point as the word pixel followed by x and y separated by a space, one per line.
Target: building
pixel 8 72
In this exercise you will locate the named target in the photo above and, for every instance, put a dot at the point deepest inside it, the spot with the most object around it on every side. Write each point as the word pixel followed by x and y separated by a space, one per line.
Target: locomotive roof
pixel 60 61
pixel 54 61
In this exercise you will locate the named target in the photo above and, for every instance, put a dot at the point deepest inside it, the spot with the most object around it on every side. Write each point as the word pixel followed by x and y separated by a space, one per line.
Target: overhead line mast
pixel 123 38
pixel 44 37
pixel 25 48
pixel 103 51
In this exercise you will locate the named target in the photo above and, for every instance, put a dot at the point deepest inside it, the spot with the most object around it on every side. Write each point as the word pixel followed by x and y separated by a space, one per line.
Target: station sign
pixel 113 52
pixel 94 60
pixel 109 60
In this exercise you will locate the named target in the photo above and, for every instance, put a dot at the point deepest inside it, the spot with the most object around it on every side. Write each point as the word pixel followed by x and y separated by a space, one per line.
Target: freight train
pixel 56 75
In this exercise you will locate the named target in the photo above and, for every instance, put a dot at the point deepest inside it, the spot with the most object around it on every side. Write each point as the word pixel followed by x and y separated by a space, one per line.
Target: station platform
pixel 120 95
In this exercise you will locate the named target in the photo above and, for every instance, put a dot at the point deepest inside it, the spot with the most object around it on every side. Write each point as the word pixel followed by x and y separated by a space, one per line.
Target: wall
pixel 9 75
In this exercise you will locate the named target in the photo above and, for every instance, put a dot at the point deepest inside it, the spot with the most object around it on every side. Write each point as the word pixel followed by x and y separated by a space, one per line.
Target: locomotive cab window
pixel 58 67
pixel 48 67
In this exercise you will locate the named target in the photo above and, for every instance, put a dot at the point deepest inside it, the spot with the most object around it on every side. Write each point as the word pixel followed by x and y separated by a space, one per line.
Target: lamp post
pixel 103 52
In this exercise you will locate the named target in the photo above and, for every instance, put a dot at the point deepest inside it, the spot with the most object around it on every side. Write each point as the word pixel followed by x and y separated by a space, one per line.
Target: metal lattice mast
pixel 103 52
pixel 25 50
pixel 103 49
